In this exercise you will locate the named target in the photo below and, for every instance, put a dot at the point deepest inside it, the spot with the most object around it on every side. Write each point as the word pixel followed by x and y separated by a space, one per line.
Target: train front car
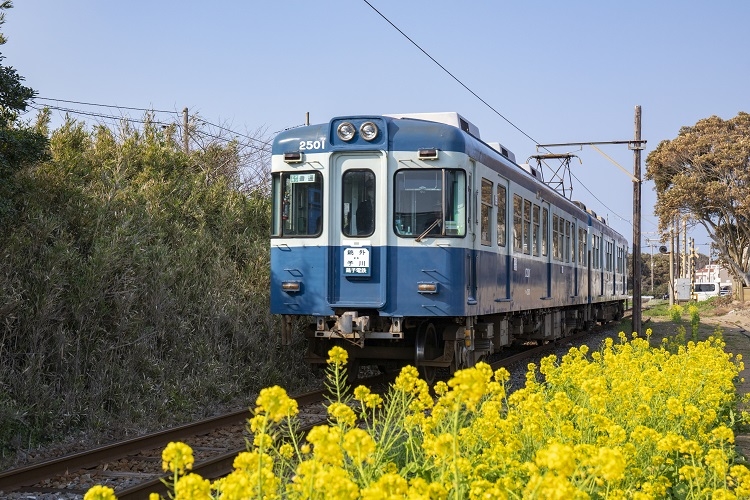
pixel 369 239
pixel 407 239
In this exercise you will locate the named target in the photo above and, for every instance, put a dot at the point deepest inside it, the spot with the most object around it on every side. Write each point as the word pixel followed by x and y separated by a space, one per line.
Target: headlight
pixel 369 131
pixel 346 131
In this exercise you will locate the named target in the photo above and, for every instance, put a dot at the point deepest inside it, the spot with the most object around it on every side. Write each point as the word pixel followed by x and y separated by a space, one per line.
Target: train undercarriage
pixel 442 343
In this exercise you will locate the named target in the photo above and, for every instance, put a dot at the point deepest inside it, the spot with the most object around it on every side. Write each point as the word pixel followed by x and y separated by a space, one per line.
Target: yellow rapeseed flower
pixel 717 460
pixel 361 392
pixel 610 464
pixel 470 384
pixel 241 484
pixel 315 481
pixel 99 492
pixel 359 445
pixel 177 458
pixel 373 401
pixel 557 457
pixel 192 487
pixel 326 444
pixel 276 404
pixel 250 460
pixel 406 380
pixel 262 441
pixel 388 486
pixel 337 356
pixel 286 451
pixel 343 414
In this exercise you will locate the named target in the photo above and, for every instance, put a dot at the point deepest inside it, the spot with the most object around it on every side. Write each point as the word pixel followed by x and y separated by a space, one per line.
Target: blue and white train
pixel 407 239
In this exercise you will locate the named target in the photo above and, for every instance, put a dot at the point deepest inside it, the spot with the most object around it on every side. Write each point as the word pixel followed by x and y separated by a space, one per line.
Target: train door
pixel 545 245
pixel 357 265
pixel 574 257
pixel 503 246
pixel 472 195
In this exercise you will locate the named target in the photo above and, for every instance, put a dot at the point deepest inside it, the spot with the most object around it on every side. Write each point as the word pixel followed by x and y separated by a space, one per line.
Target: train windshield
pixel 297 204
pixel 430 200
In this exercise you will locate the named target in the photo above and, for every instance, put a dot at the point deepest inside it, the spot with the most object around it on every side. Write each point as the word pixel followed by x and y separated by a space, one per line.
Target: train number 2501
pixel 320 144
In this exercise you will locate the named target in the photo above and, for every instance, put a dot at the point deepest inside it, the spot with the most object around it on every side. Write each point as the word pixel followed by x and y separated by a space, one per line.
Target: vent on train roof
pixel 503 150
pixel 530 170
pixel 591 213
pixel 602 220
pixel 449 118
pixel 580 205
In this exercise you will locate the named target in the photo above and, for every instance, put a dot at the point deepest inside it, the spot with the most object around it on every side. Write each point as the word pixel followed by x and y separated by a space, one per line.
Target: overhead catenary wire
pixel 483 101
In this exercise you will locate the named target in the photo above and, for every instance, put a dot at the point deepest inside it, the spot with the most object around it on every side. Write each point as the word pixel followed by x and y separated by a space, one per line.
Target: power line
pixel 478 97
pixel 450 74
pixel 97 115
pixel 264 143
pixel 157 122
pixel 105 105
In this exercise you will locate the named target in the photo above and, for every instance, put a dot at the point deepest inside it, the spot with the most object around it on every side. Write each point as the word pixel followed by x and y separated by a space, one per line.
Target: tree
pixel 20 144
pixel 704 174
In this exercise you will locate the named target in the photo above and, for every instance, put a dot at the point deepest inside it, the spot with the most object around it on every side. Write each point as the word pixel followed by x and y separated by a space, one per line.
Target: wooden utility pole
pixel 637 148
pixel 185 138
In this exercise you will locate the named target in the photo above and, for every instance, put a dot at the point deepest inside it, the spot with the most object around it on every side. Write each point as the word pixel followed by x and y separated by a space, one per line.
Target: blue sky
pixel 558 71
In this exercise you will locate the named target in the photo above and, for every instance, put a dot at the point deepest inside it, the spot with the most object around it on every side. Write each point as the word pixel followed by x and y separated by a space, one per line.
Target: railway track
pixel 133 467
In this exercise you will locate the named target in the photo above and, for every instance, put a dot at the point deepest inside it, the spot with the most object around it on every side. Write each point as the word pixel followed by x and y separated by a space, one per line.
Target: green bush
pixel 134 286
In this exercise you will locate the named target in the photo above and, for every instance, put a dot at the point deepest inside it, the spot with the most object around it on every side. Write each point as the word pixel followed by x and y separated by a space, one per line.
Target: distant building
pixel 713 273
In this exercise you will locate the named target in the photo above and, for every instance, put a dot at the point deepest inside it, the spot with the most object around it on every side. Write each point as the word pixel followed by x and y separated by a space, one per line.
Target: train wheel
pixel 427 349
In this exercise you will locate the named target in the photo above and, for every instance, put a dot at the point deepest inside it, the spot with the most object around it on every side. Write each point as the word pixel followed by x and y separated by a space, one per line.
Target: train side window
pixel 582 246
pixel 430 199
pixel 556 250
pixel 535 230
pixel 276 200
pixel 358 197
pixel 567 241
pixel 545 231
pixel 595 252
pixel 455 203
pixel 517 222
pixel 485 229
pixel 526 227
pixel 298 204
pixel 501 215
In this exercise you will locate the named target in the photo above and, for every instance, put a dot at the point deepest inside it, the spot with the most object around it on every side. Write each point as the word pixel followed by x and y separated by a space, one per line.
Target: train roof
pixel 446 131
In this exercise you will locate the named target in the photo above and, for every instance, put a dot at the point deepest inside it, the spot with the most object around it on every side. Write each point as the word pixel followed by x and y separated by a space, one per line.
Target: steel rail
pixel 22 477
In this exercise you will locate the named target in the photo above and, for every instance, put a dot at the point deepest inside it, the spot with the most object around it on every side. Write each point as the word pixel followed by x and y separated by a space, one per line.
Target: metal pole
pixel 671 265
pixel 652 268
pixel 685 270
pixel 676 256
pixel 637 224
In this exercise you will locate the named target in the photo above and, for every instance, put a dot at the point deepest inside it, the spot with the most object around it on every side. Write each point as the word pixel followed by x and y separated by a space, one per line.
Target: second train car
pixel 406 239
